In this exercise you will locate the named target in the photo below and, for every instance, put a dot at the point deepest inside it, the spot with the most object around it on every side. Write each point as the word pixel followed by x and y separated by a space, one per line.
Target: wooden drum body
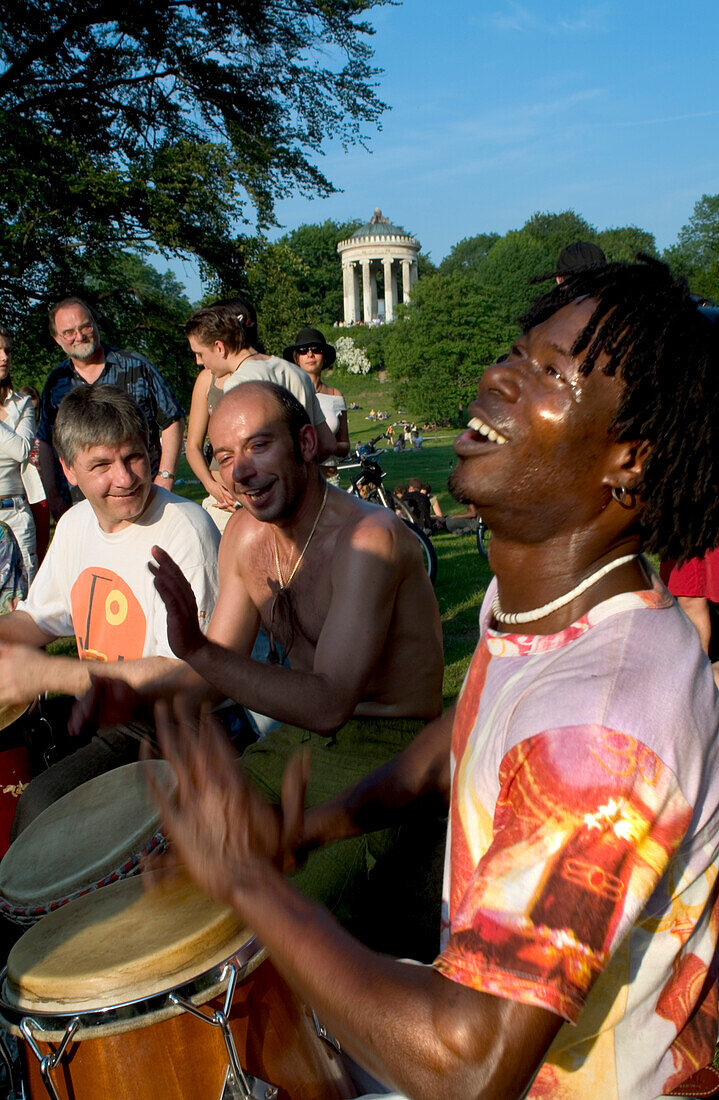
pixel 157 993
pixel 15 772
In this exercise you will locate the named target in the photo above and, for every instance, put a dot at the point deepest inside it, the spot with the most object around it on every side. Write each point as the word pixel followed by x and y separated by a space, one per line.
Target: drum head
pixel 10 713
pixel 85 835
pixel 132 940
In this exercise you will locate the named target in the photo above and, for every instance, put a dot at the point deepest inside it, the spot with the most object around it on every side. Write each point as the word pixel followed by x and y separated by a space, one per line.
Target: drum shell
pixel 183 1057
pixel 15 774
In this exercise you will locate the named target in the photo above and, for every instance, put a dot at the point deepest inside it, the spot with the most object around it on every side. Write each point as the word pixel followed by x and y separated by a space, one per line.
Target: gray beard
pixel 85 350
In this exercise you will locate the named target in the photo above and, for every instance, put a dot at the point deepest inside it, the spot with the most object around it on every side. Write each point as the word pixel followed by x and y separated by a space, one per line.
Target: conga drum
pixel 88 839
pixel 15 772
pixel 154 992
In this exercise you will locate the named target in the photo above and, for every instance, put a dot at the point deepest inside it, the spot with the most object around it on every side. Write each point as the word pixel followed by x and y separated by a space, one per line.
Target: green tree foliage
pixel 510 266
pixel 555 231
pixel 320 285
pixel 275 277
pixel 129 126
pixel 441 342
pixel 468 254
pixel 696 253
pixel 621 244
pixel 136 307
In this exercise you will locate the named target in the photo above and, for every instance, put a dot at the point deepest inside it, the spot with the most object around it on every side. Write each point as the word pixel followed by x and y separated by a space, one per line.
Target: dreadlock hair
pixel 666 354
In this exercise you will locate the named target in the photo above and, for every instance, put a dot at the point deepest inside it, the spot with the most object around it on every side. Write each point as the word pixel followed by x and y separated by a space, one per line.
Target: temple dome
pixel 379 226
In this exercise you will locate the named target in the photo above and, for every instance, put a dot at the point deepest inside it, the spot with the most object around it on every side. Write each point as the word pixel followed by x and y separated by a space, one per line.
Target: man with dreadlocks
pixel 580 761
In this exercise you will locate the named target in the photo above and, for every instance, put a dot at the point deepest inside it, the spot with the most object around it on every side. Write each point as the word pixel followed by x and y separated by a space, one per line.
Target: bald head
pixel 265 447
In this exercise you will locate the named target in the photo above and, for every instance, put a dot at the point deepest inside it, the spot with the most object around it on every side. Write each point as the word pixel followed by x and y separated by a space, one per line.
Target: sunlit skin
pixel 546 492
pixel 257 460
pixel 78 340
pixel 216 357
pixel 115 480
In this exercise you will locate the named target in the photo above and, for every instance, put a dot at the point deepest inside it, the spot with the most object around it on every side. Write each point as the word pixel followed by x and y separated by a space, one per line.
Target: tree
pixel 696 253
pixel 511 264
pixel 135 306
pixel 555 231
pixel 275 274
pixel 468 254
pixel 320 285
pixel 437 348
pixel 130 126
pixel 621 244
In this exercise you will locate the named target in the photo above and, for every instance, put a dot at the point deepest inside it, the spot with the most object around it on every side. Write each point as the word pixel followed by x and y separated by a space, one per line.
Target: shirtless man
pixel 580 763
pixel 341 586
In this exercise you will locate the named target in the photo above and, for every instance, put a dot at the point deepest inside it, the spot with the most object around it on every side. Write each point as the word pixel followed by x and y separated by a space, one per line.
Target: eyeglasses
pixel 316 348
pixel 83 330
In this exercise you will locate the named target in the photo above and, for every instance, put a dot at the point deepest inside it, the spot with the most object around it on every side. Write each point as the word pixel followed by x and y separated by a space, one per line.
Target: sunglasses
pixel 316 348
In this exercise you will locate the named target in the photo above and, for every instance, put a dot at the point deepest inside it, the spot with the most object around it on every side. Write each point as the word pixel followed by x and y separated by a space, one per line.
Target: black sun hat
pixel 311 336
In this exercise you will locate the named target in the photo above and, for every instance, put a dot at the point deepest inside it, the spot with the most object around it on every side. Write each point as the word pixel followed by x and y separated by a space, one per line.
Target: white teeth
pixel 493 436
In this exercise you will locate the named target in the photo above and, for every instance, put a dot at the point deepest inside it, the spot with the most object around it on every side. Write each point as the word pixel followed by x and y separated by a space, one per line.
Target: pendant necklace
pixel 540 612
pixel 273 656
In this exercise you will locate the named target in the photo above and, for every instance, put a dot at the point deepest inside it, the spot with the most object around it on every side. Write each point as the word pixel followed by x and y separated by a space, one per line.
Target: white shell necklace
pixel 513 617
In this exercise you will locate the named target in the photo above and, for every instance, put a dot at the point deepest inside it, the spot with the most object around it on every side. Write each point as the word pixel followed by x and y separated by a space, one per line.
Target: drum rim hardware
pixel 46 1024
pixel 39 1026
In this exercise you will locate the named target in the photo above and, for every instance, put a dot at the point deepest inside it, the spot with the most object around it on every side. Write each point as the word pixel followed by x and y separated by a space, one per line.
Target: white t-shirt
pixel 332 405
pixel 284 374
pixel 97 586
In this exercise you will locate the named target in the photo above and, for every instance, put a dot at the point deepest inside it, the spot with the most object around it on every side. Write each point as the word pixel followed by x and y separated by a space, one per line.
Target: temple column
pixel 406 280
pixel 390 289
pixel 373 293
pixel 367 292
pixel 348 289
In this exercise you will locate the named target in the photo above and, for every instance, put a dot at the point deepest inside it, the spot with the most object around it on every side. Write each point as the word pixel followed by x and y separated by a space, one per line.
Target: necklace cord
pixel 513 617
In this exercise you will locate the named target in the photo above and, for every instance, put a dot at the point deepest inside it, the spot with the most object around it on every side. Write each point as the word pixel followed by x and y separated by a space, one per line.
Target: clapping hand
pixel 224 831
pixel 183 627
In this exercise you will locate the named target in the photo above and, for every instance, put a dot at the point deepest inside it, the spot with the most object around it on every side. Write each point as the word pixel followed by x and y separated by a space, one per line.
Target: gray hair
pixel 73 301
pixel 97 416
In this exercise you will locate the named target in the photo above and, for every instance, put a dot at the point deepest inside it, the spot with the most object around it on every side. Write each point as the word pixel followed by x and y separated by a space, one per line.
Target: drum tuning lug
pixel 251 1089
pixel 323 1033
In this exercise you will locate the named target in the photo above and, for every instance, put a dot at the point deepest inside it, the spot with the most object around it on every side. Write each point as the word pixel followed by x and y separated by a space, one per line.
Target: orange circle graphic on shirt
pixel 109 621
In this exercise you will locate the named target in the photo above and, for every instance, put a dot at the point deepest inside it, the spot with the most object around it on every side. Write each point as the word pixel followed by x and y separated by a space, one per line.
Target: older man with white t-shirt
pixel 94 582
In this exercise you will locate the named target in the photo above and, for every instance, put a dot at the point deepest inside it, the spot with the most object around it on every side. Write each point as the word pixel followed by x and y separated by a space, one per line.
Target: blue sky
pixel 502 108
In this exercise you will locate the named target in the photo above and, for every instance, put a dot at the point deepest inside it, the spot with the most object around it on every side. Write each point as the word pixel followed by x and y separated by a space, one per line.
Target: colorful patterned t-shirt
pixel 582 849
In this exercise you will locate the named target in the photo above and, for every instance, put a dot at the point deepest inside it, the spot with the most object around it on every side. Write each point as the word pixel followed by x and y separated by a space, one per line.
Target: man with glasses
pixel 73 328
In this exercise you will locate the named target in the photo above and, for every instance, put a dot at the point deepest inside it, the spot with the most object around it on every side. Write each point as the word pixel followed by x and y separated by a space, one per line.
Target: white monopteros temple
pixel 377 244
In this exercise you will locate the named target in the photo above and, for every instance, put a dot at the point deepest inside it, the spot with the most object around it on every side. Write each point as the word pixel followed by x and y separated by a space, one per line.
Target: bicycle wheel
pixel 401 509
pixel 483 537
pixel 428 552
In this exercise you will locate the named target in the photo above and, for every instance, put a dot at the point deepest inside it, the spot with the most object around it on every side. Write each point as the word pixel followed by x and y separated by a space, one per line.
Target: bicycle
pixel 371 476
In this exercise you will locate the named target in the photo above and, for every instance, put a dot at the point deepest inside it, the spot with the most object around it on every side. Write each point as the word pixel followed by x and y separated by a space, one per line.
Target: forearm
pixel 415 781
pixel 21 629
pixel 196 462
pixel 301 698
pixel 405 1023
pixel 70 676
pixel 697 611
pixel 171 444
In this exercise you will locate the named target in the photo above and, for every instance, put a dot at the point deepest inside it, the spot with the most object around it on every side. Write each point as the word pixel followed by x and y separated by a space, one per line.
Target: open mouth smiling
pixel 486 431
